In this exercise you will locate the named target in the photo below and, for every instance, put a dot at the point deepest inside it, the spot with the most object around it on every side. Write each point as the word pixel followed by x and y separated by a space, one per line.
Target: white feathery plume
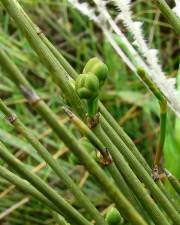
pixel 103 19
pixel 176 9
pixel 100 20
pixel 85 9
pixel 167 86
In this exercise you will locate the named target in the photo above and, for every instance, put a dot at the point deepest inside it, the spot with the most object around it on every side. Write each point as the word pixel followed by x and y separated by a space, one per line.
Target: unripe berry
pixel 97 67
pixel 87 86
pixel 113 217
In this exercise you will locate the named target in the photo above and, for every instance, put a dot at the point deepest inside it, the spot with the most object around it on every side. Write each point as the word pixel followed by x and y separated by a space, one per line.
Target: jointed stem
pixel 138 169
pixel 54 123
pixel 83 200
pixel 174 181
pixel 163 115
pixel 26 187
pixel 36 181
pixel 117 175
pixel 112 191
pixel 169 14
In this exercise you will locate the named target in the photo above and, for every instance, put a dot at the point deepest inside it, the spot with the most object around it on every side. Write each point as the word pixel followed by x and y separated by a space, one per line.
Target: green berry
pixel 87 86
pixel 113 217
pixel 97 67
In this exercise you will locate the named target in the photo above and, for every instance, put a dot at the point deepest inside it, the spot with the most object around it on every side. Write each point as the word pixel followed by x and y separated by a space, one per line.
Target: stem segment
pixel 163 115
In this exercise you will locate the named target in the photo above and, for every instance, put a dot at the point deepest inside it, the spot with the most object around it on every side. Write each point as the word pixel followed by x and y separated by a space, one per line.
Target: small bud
pixel 87 86
pixel 113 217
pixel 97 67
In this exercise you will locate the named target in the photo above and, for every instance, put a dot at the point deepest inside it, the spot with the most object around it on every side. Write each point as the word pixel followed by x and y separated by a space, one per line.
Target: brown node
pixel 30 95
pixel 158 173
pixel 12 118
pixel 93 122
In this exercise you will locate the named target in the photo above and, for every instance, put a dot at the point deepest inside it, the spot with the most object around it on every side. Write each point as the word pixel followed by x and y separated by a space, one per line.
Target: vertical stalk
pixel 169 15
pixel 163 115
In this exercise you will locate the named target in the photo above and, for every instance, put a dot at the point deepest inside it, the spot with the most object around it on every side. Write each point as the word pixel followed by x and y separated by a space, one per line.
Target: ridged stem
pixel 142 173
pixel 174 181
pixel 93 168
pixel 70 213
pixel 70 70
pixel 80 197
pixel 26 187
pixel 168 195
pixel 163 115
pixel 123 136
pixel 141 193
pixel 20 24
pixel 58 73
pixel 122 204
pixel 103 110
pixel 169 15
pixel 120 181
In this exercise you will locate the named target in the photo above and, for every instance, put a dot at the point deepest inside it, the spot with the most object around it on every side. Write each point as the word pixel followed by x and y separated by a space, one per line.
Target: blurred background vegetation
pixel 135 109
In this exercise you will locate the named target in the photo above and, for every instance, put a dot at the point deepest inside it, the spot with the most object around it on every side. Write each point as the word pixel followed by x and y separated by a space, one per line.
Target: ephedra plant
pixel 137 191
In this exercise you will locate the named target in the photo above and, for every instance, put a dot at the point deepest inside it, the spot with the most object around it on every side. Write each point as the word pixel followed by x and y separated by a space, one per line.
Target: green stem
pixel 168 195
pixel 34 30
pixel 84 129
pixel 169 15
pixel 122 204
pixel 92 106
pixel 123 136
pixel 173 180
pixel 12 11
pixel 70 70
pixel 59 219
pixel 81 198
pixel 118 178
pixel 163 115
pixel 142 70
pixel 139 170
pixel 73 73
pixel 132 180
pixel 154 89
pixel 58 73
pixel 26 187
pixel 62 205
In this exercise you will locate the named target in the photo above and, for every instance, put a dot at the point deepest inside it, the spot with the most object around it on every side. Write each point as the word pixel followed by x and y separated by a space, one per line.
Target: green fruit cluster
pixel 93 77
